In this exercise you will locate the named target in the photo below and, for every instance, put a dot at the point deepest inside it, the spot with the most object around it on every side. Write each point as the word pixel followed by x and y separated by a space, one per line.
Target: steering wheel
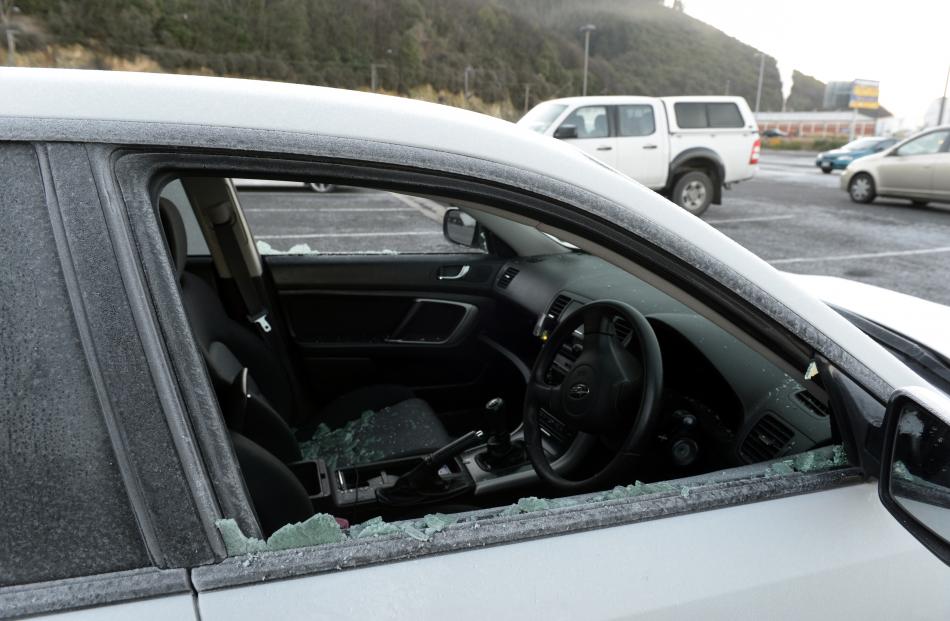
pixel 606 389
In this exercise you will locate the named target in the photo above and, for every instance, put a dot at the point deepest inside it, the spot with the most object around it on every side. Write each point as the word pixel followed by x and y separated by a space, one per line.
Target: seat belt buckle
pixel 261 320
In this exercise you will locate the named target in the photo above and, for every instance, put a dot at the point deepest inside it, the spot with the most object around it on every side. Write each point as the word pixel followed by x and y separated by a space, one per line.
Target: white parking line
pixel 326 209
pixel 429 208
pixel 869 255
pixel 749 219
pixel 334 235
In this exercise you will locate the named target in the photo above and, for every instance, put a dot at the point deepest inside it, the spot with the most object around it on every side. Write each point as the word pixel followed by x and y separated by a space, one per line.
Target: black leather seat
pixel 399 424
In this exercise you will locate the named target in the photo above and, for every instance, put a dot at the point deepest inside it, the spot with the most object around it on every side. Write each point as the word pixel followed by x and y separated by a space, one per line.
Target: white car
pixel 687 148
pixel 917 169
pixel 191 428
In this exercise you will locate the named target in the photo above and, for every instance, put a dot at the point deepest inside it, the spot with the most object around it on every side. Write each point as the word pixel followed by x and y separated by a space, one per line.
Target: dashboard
pixel 724 404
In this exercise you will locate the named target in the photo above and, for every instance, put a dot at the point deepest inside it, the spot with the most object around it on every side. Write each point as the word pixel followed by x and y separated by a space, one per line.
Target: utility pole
pixel 469 69
pixel 586 30
pixel 758 90
pixel 943 100
pixel 527 96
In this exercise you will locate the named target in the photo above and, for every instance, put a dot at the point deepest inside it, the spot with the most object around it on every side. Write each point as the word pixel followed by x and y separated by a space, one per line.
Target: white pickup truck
pixel 687 148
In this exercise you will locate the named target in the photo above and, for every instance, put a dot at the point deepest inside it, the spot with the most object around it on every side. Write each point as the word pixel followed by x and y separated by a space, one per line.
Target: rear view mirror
pixel 915 468
pixel 460 228
pixel 566 131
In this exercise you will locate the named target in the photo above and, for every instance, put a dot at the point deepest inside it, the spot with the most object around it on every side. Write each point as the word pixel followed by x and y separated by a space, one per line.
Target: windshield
pixel 861 145
pixel 540 117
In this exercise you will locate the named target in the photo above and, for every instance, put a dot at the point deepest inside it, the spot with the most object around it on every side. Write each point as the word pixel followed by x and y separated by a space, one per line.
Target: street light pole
pixel 758 90
pixel 586 30
pixel 943 100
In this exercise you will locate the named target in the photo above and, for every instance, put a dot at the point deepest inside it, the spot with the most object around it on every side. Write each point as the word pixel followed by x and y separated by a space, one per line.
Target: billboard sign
pixel 864 94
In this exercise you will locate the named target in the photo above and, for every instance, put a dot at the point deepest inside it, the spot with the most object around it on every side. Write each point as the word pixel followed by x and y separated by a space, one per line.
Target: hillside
pixel 419 47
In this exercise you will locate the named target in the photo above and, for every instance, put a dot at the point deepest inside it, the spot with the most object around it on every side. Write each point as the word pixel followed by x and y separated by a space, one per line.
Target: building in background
pixel 837 96
pixel 821 124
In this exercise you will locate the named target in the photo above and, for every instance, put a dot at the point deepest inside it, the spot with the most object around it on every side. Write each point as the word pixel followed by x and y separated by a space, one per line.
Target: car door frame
pixel 524 196
pixel 162 473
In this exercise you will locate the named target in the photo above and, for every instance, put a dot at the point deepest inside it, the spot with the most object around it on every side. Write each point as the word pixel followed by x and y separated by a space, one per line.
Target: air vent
pixel 812 403
pixel 558 306
pixel 622 329
pixel 766 440
pixel 505 279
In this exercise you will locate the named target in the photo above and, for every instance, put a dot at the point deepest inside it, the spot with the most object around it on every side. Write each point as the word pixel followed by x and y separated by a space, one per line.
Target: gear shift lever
pixel 500 452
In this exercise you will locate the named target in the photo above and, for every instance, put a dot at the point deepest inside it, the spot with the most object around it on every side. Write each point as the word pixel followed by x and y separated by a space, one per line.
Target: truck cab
pixel 687 148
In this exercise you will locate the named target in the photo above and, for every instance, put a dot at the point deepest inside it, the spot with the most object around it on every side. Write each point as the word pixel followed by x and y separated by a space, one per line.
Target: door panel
pixel 906 174
pixel 777 559
pixel 361 320
pixel 643 150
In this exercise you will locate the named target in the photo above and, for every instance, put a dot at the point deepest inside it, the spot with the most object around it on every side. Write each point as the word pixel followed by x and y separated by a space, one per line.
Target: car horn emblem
pixel 578 391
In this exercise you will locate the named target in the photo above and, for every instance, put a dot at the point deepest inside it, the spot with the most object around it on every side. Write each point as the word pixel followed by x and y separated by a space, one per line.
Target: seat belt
pixel 257 311
pixel 250 295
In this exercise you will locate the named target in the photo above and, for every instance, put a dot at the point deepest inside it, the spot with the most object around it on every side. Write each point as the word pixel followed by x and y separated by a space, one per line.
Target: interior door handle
pixel 463 270
pixel 604 148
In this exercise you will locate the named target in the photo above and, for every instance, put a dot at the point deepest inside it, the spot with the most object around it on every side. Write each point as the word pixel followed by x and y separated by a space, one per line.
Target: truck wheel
pixel 861 188
pixel 693 192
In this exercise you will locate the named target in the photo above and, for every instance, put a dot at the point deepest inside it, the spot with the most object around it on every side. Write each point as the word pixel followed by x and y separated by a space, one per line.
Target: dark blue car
pixel 840 158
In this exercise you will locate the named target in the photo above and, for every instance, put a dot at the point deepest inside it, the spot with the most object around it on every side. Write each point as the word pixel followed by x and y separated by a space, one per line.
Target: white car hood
pixel 928 323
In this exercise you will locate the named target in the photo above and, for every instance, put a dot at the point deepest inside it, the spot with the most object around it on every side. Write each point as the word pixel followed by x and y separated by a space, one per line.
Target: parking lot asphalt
pixel 796 218
pixel 791 214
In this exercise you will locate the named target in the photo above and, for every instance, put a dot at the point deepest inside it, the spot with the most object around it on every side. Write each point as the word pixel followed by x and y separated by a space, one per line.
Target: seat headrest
pixel 175 237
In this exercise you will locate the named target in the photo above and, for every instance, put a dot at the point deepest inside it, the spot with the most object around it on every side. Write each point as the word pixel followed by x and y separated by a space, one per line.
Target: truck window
pixel 691 115
pixel 591 122
pixel 724 114
pixel 702 114
pixel 636 120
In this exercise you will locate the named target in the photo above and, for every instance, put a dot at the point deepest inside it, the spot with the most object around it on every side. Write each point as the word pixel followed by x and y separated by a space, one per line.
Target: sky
pixel 903 44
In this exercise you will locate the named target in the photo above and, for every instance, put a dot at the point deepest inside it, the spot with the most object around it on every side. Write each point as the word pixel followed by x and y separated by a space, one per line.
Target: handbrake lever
pixel 453 449
pixel 423 483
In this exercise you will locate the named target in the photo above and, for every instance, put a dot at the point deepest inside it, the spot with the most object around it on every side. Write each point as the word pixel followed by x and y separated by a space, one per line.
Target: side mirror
pixel 460 228
pixel 565 132
pixel 915 466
